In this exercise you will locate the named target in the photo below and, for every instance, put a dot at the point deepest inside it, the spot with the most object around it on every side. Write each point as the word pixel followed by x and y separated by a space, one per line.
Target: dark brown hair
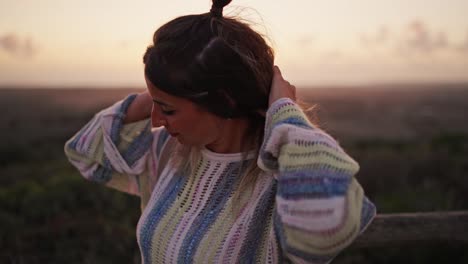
pixel 219 63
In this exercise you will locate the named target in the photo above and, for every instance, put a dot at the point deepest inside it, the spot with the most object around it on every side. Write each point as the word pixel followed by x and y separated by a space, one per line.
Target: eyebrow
pixel 161 103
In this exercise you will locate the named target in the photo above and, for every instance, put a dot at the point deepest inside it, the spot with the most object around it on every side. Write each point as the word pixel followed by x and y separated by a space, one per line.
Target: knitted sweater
pixel 305 207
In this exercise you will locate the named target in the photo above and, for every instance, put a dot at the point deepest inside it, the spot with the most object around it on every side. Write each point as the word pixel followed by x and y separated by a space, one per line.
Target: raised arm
pixel 139 109
pixel 320 207
pixel 112 148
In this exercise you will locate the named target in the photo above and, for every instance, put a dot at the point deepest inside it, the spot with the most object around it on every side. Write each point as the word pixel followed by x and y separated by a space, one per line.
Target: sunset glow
pixel 100 43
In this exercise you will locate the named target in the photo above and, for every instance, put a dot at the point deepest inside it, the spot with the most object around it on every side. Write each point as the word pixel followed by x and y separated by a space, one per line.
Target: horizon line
pixel 382 84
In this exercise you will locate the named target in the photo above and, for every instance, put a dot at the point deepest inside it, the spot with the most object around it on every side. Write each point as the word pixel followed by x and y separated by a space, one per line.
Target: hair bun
pixel 217 7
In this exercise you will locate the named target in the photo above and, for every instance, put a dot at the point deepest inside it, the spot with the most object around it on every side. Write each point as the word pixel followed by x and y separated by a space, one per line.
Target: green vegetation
pixel 50 214
pixel 415 176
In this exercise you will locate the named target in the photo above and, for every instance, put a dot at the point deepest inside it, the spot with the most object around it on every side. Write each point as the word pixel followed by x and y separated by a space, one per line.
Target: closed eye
pixel 171 112
pixel 162 105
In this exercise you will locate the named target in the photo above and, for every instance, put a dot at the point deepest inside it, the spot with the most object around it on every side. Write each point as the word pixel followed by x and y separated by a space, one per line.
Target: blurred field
pixel 411 143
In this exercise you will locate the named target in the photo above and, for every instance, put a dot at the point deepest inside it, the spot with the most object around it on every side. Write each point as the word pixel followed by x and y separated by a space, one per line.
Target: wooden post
pixel 398 229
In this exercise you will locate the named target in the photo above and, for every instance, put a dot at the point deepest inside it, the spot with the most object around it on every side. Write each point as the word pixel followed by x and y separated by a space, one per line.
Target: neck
pixel 232 136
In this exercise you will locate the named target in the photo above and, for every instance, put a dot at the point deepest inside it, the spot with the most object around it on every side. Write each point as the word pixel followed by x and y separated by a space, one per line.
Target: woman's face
pixel 183 119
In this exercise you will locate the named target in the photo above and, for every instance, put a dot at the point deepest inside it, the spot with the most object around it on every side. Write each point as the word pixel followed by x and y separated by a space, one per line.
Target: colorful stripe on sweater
pixel 306 206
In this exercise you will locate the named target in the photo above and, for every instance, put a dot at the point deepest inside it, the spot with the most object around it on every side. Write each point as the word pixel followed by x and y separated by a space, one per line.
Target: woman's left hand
pixel 280 88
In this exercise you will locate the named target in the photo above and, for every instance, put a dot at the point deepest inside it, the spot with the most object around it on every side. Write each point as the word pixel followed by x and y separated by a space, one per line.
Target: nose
pixel 157 118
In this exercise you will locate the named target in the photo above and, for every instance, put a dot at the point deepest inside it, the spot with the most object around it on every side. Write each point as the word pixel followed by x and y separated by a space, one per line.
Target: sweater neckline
pixel 226 156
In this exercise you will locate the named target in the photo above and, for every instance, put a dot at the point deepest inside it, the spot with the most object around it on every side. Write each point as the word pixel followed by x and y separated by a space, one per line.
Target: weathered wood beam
pixel 398 229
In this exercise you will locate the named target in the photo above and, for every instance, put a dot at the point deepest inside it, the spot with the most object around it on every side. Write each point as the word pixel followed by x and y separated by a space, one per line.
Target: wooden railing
pixel 398 229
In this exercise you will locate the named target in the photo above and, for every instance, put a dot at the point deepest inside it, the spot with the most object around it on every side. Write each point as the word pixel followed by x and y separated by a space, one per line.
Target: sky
pixel 65 43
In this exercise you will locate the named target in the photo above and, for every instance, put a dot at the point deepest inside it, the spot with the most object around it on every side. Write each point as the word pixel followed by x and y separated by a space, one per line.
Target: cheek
pixel 174 123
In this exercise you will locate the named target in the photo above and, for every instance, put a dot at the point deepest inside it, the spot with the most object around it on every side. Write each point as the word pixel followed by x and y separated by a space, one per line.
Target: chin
pixel 189 143
pixel 183 141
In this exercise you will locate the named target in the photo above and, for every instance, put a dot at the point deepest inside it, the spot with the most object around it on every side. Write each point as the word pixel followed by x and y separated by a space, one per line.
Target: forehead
pixel 162 97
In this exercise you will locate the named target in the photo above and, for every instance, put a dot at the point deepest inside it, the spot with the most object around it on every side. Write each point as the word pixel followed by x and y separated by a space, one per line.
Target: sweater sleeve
pixel 109 152
pixel 320 207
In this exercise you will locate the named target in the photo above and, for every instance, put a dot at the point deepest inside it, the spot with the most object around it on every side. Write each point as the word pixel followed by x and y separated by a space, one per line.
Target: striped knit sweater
pixel 305 207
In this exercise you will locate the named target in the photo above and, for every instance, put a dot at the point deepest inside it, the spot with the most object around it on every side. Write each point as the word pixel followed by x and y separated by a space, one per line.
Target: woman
pixel 227 165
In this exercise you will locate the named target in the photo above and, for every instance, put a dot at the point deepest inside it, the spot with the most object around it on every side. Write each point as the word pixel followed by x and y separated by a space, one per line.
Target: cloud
pixel 332 56
pixel 463 47
pixel 380 37
pixel 123 44
pixel 417 37
pixel 305 41
pixel 17 46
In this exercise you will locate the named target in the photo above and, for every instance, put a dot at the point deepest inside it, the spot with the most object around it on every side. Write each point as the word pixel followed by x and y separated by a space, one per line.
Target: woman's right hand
pixel 140 108
pixel 280 88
